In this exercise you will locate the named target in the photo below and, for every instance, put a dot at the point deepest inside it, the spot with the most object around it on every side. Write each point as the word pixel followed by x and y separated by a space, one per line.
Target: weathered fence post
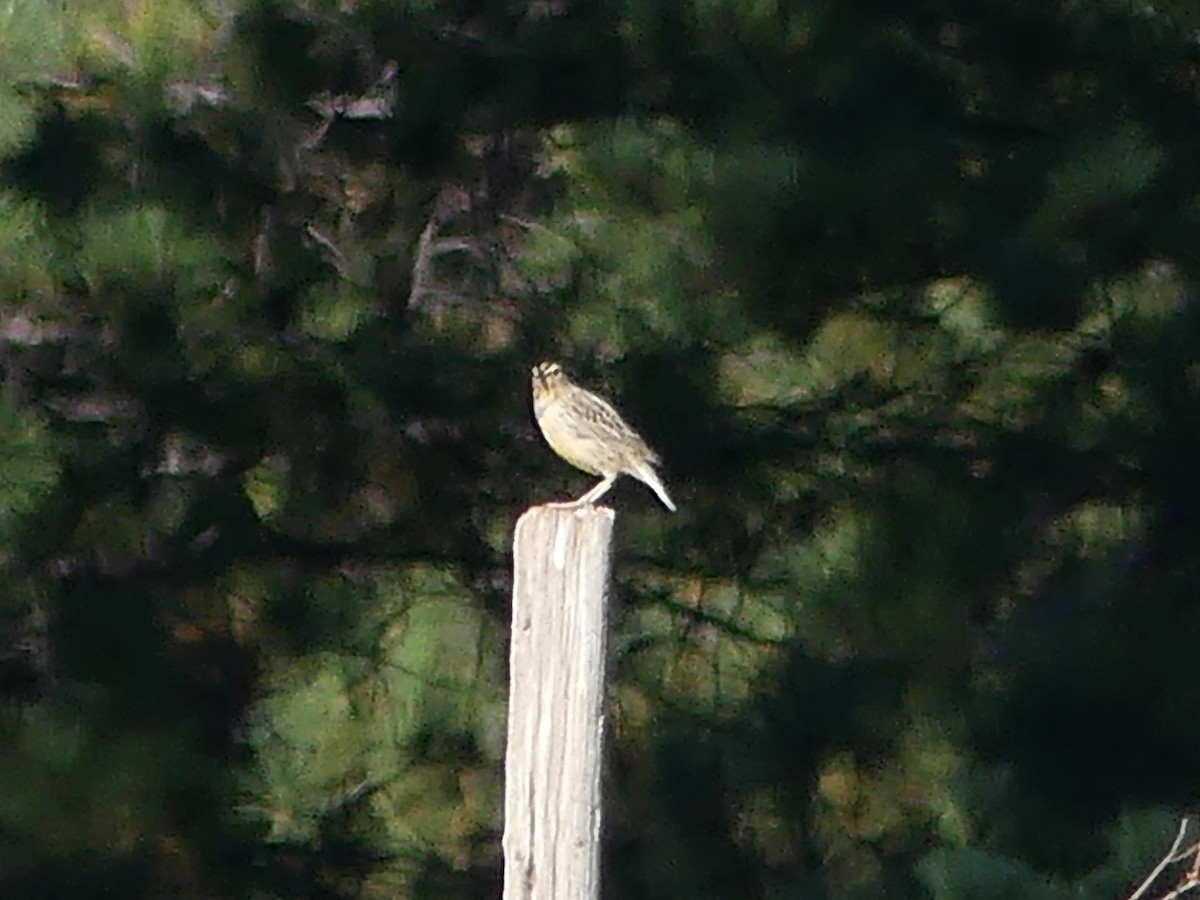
pixel 561 559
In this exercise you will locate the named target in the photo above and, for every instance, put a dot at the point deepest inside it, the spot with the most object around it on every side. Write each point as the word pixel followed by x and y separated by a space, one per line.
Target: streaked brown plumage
pixel 589 434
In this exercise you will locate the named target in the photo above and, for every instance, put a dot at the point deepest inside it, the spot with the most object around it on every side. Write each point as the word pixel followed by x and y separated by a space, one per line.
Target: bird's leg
pixel 598 491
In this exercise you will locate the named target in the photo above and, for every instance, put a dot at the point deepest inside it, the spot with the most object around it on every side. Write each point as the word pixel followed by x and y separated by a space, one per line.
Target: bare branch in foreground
pixel 1189 880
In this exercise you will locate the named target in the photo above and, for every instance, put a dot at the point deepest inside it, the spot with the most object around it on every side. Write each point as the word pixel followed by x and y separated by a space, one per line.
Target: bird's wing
pixel 605 417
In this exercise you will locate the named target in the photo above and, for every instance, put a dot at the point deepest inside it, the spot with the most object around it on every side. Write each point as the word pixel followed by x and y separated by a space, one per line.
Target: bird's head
pixel 548 378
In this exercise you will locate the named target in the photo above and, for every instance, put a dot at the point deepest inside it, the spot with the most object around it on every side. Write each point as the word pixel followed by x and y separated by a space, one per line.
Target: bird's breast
pixel 565 437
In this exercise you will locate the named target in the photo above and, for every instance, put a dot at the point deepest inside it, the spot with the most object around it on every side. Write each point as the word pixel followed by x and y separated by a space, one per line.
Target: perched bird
pixel 589 434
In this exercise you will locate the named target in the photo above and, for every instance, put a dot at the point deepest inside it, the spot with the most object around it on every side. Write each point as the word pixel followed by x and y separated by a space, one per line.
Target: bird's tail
pixel 649 477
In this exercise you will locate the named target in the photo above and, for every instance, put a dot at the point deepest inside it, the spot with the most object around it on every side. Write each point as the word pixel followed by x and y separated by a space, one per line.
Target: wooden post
pixel 562 563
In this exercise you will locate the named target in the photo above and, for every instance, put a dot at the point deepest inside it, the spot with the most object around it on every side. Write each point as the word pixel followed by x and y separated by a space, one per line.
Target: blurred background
pixel 904 293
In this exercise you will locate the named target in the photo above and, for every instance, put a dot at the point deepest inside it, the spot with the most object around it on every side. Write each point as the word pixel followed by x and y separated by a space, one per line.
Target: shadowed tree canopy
pixel 904 295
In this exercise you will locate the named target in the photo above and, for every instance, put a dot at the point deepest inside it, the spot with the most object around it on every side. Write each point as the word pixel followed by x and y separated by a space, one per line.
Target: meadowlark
pixel 589 434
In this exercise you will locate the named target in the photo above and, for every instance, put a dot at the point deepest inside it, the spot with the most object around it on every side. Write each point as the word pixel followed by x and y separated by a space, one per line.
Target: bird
pixel 588 433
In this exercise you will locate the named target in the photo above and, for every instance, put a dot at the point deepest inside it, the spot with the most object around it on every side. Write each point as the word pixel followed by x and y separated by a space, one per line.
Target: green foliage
pixel 29 467
pixel 34 40
pixel 33 36
pixel 26 249
pixel 357 727
pixel 74 790
pixel 972 873
pixel 904 297
pixel 18 120
pixel 145 246
pixel 1138 840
